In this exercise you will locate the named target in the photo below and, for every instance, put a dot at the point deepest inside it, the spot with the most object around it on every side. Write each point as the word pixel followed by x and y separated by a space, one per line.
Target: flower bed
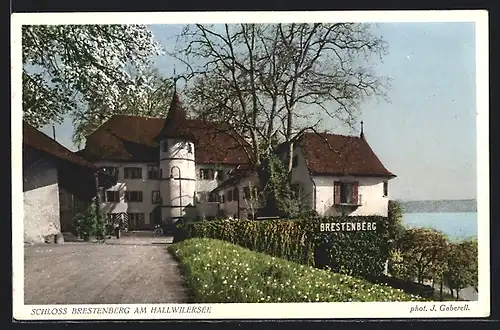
pixel 218 272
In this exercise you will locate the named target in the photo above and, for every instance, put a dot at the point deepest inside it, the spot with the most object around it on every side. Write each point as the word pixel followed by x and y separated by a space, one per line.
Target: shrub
pixel 419 254
pixel 220 272
pixel 395 222
pixel 461 267
pixel 360 253
pixel 90 224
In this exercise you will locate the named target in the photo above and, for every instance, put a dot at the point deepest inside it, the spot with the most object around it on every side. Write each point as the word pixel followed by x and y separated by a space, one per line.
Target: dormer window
pixel 165 146
pixel 190 148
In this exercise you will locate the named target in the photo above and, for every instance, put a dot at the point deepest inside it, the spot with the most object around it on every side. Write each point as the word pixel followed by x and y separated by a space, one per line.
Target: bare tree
pixel 272 82
pixel 268 80
pixel 253 199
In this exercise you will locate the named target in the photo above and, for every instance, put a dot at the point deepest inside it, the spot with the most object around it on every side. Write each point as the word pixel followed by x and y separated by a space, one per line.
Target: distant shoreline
pixel 439 206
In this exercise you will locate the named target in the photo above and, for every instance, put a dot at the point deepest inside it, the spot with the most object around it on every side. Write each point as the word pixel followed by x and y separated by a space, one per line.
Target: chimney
pixel 362 135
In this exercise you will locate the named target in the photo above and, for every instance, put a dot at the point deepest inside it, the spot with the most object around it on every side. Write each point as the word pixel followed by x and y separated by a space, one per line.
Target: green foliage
pixel 360 253
pixel 461 266
pixel 278 194
pixel 220 272
pixel 395 222
pixel 66 66
pixel 419 254
pixel 89 224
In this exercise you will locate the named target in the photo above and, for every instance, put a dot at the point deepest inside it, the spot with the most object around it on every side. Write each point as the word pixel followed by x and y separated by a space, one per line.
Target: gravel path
pixel 83 273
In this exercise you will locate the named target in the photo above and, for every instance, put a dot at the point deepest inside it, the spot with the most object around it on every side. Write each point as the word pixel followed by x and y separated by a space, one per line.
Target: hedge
pixel 358 253
pixel 221 272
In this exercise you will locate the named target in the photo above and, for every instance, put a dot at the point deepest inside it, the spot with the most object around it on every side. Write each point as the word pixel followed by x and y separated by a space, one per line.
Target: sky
pixel 426 134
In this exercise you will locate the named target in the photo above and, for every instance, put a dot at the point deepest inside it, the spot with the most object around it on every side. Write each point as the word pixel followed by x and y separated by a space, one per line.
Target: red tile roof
pixel 235 176
pixel 132 138
pixel 332 154
pixel 35 139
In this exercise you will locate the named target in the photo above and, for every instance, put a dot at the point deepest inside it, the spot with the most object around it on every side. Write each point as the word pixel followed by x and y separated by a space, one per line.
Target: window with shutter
pixel 336 192
pixel 355 195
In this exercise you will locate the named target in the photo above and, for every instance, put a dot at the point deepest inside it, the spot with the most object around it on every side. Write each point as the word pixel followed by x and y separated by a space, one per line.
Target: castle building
pixel 177 167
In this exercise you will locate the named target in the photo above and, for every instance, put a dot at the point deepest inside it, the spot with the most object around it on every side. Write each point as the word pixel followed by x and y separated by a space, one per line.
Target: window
pixel 133 173
pixel 214 198
pixel 190 148
pixel 136 220
pixel 222 198
pixel 165 146
pixel 109 170
pixel 206 174
pixel 155 198
pixel 295 161
pixel 345 193
pixel 133 196
pixel 235 194
pixel 153 172
pixel 230 195
pixel 246 192
pixel 219 175
pixel 386 188
pixel 202 197
pixel 112 196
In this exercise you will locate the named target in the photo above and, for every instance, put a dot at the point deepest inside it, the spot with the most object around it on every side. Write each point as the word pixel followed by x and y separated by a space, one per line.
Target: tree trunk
pixel 270 200
pixel 441 290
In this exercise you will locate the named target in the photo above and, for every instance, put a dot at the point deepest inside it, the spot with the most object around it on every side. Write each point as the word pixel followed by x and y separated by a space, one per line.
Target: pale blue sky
pixel 426 135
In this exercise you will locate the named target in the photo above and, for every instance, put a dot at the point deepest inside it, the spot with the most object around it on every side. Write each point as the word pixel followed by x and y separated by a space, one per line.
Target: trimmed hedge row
pixel 352 252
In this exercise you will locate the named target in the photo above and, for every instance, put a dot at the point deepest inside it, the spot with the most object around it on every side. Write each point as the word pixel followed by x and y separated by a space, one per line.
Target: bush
pixel 221 272
pixel 419 254
pixel 395 222
pixel 90 224
pixel 461 266
pixel 359 253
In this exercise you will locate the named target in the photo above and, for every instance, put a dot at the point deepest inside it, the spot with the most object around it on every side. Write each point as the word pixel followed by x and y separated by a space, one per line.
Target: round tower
pixel 177 164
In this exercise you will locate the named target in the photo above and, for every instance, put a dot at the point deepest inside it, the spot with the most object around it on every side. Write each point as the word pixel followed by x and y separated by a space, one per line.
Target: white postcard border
pixel 480 308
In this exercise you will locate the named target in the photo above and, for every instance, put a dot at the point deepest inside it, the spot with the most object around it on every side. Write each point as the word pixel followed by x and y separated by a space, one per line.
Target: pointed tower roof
pixel 175 124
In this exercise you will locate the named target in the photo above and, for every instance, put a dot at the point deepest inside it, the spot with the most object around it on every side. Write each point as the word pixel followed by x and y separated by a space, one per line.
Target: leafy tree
pixel 67 66
pixel 90 223
pixel 395 226
pixel 278 192
pixel 419 254
pixel 461 265
pixel 153 102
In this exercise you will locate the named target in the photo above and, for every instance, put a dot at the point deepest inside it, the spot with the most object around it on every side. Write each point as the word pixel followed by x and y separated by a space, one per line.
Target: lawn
pixel 221 272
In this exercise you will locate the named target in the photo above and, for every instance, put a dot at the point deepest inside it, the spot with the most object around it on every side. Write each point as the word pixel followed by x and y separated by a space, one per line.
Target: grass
pixel 219 272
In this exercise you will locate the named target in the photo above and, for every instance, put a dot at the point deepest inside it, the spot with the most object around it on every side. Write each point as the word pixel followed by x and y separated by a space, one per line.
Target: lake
pixel 455 225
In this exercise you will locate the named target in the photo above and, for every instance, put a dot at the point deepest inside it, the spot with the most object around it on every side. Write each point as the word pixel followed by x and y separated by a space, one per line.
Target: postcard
pixel 250 165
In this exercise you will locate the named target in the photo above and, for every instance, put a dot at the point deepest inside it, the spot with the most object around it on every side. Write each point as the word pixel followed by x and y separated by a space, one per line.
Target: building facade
pixel 57 184
pixel 176 167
